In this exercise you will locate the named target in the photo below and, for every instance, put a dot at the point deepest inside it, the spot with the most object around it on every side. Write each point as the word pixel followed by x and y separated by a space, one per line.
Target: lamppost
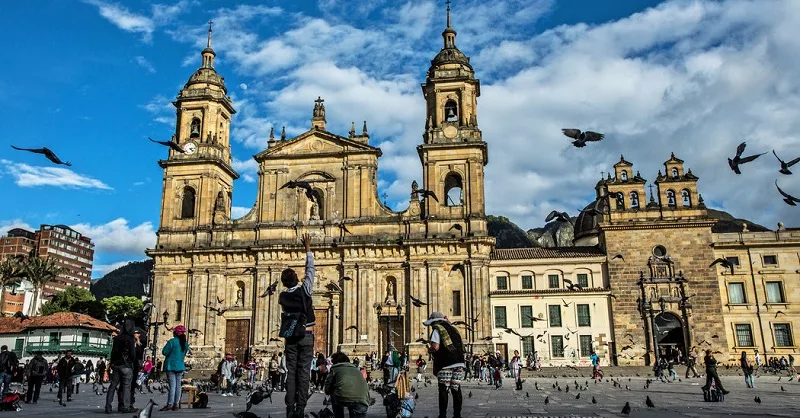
pixel 154 326
pixel 379 308
pixel 399 314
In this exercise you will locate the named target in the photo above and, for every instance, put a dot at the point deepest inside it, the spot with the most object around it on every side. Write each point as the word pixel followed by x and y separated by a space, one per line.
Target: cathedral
pixel 374 265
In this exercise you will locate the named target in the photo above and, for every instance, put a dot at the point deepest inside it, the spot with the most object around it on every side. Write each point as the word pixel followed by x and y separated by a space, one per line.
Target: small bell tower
pixel 453 152
pixel 198 182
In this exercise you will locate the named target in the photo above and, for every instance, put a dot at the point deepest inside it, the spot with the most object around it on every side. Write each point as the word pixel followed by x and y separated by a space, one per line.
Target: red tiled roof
pixel 552 252
pixel 11 325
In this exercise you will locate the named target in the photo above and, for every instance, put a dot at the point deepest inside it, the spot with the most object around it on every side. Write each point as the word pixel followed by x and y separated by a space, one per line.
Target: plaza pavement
pixel 679 399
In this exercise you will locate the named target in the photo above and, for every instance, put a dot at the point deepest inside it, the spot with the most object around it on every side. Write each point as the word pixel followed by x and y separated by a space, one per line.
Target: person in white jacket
pixel 227 374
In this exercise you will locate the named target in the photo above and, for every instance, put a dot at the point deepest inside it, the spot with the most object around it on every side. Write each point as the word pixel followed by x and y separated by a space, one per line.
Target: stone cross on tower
pixel 318 119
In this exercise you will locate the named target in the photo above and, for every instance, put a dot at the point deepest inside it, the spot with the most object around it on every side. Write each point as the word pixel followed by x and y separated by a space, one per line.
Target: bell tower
pixel 198 182
pixel 453 153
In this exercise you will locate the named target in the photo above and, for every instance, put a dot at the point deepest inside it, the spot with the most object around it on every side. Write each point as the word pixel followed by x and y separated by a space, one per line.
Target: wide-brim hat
pixel 435 316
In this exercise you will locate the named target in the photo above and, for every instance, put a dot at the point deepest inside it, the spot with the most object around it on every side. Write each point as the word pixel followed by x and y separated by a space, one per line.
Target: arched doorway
pixel 668 330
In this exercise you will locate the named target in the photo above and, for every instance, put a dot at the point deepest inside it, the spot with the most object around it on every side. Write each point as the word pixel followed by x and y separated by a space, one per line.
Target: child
pixel 347 388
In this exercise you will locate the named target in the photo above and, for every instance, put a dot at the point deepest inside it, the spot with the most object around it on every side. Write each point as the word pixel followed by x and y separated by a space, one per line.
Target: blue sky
pixel 93 79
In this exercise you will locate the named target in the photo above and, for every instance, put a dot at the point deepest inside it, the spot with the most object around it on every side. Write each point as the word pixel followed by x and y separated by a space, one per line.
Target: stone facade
pixel 760 299
pixel 370 259
pixel 532 281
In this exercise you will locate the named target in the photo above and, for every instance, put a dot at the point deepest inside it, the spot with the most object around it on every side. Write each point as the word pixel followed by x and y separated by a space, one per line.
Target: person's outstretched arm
pixel 311 271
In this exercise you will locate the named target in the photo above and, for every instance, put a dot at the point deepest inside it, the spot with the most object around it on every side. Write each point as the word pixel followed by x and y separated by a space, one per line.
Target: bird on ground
pixel 416 302
pixel 722 262
pixel 594 400
pixel 427 193
pixel 311 194
pixel 581 138
pixel 757 399
pixel 784 165
pixel 782 389
pixel 270 290
pixel 546 400
pixel 618 257
pixel 626 410
pixel 352 327
pixel 649 402
pixel 566 305
pixel 50 155
pixel 245 414
pixel 557 216
pixel 578 396
pixel 171 143
pixel 147 411
pixel 789 199
pixel 470 394
pixel 738 159
pixel 527 394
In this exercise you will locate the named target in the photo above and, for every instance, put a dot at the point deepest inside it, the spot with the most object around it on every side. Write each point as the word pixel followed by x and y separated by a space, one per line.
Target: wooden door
pixel 237 338
pixel 321 332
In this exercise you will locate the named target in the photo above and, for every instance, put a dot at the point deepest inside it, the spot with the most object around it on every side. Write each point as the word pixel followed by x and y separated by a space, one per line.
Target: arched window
pixel 195 129
pixel 620 201
pixel 453 190
pixel 686 197
pixel 624 175
pixel 318 208
pixel 634 200
pixel 451 111
pixel 671 198
pixel 187 204
pixel 674 172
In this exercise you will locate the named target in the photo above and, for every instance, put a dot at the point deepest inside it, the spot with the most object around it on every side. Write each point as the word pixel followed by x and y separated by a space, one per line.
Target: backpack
pixel 238 371
pixel 77 368
pixel 39 368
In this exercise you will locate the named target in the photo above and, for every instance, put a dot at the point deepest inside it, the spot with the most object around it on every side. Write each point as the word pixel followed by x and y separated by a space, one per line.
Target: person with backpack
pixel 227 374
pixel 174 354
pixel 122 360
pixel 36 372
pixel 65 367
pixel 447 349
pixel 77 372
pixel 8 363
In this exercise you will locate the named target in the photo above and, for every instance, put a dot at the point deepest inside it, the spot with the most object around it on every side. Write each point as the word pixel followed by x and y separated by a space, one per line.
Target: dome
pixel 590 217
pixel 208 76
pixel 450 56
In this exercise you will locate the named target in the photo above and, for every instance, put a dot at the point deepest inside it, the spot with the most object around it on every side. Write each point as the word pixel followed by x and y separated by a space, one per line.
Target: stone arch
pixel 451 111
pixel 391 290
pixel 671 198
pixel 453 190
pixel 194 128
pixel 674 172
pixel 686 198
pixel 624 175
pixel 240 296
pixel 634 196
pixel 188 202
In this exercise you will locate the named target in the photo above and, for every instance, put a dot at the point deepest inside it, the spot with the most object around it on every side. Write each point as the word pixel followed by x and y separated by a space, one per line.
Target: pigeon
pixel 21 316
pixel 270 290
pixel 789 199
pixel 649 402
pixel 527 395
pixel 558 216
pixel 578 396
pixel 626 410
pixel 594 400
pixel 470 394
pixel 416 302
pixel 566 305
pixel 737 160
pixel 618 257
pixel 343 227
pixel 50 155
pixel 572 286
pixel 581 138
pixel 352 327
pixel 724 263
pixel 511 331
pixel 147 411
pixel 489 337
pixel 172 144
pixel 427 193
pixel 757 400
pixel 784 165
pixel 457 227
pixel 244 414
pixel 779 313
pixel 311 194
pixel 546 400
pixel 422 340
pixel 782 389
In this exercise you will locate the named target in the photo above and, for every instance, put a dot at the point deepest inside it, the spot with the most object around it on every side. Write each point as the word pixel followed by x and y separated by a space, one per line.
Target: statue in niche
pixel 219 204
pixel 389 292
pixel 653 294
pixel 239 296
pixel 314 211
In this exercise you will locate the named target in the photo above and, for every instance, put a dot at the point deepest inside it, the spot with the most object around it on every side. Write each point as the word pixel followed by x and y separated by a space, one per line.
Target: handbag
pixel 293 325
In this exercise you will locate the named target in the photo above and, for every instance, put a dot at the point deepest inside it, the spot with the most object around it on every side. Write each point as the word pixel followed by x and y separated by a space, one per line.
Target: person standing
pixel 122 359
pixel 420 367
pixel 691 363
pixel 65 367
pixel 174 355
pixel 100 371
pixel 758 359
pixel 227 373
pixel 711 373
pixel 747 370
pixel 346 387
pixel 77 373
pixel 516 369
pixel 297 305
pixel 447 349
pixel 252 367
pixel 274 376
pixel 37 370
pixel 8 363
pixel 282 371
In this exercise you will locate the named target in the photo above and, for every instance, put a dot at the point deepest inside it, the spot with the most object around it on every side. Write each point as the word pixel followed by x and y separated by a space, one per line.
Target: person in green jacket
pixel 174 354
pixel 347 388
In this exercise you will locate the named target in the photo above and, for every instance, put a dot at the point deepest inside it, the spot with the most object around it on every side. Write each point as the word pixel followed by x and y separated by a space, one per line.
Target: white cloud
pixel 9 224
pixel 144 24
pixel 161 108
pixel 118 237
pixel 144 63
pixel 248 169
pixel 239 211
pixel 32 176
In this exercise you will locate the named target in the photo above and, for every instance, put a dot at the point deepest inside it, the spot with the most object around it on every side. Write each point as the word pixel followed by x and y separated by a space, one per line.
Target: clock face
pixel 190 148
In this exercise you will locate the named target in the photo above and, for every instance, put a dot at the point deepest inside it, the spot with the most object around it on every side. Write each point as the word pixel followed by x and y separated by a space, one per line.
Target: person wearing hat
pixel 174 354
pixel 296 305
pixel 447 349
pixel 227 373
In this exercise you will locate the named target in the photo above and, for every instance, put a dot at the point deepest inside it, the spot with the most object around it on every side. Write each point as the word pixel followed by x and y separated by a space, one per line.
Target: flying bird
pixel 618 256
pixel 422 340
pixel 724 263
pixel 311 194
pixel 147 411
pixel 21 316
pixel 172 144
pixel 789 199
pixel 457 227
pixel 489 338
pixel 220 300
pixel 558 216
pixel 581 138
pixel 566 305
pixel 776 313
pixel 511 331
pixel 276 340
pixel 784 165
pixel 194 331
pixel 270 290
pixel 466 326
pixel 738 159
pixel 50 155
pixel 343 227
pixel 352 327
pixel 416 302
pixel 572 286
pixel 427 193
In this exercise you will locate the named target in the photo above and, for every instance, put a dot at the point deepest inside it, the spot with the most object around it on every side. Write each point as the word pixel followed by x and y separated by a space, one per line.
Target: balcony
pixel 77 347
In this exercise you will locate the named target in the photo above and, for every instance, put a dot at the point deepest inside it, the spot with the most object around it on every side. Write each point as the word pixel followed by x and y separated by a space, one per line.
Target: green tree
pixel 11 272
pixel 122 307
pixel 39 271
pixel 67 299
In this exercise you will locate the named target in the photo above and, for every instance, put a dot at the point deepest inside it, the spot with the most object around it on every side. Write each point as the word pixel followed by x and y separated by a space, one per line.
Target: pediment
pixel 314 143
